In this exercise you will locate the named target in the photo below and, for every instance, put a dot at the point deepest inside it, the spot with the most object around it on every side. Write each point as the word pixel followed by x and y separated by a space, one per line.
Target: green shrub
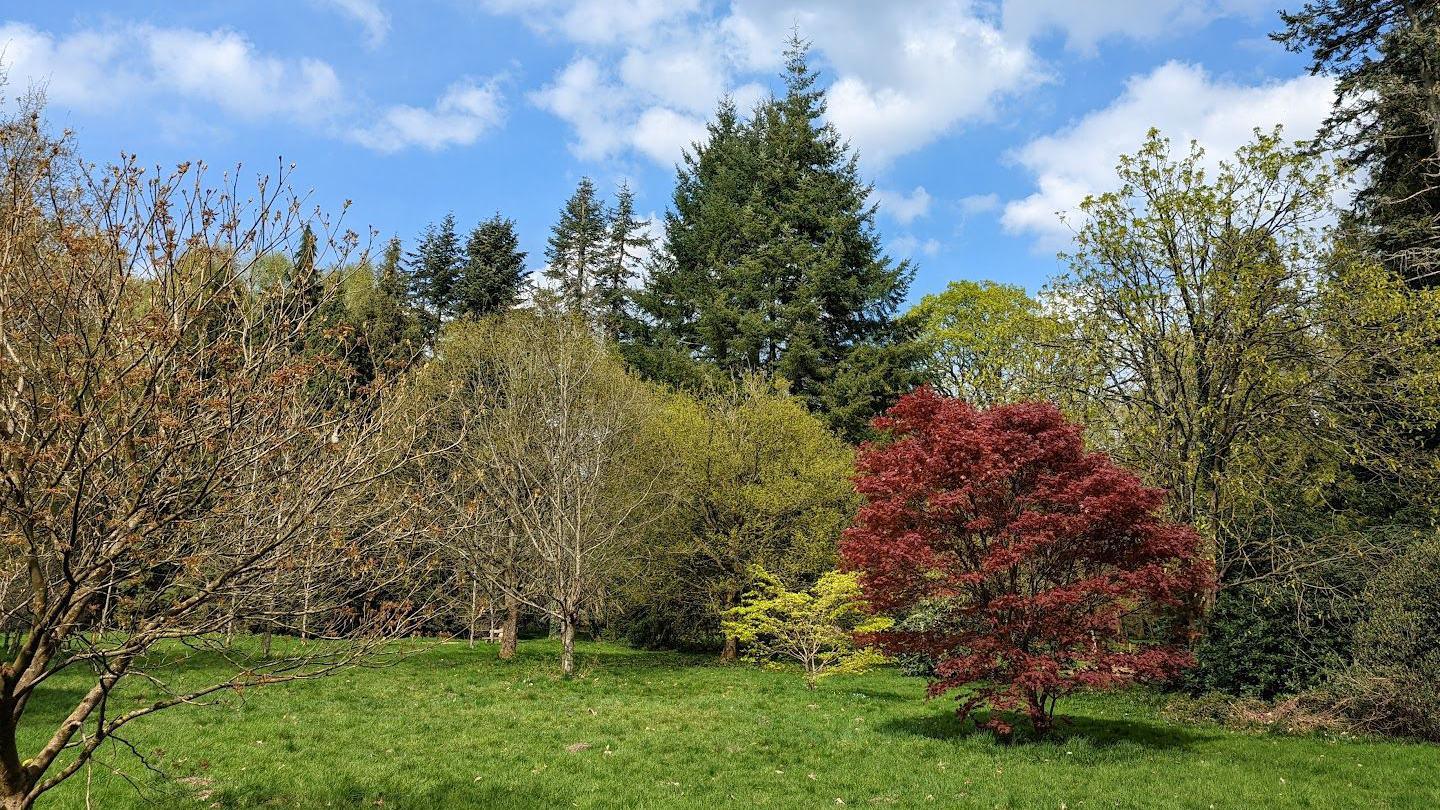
pixel 1393 685
pixel 1260 643
pixel 1402 622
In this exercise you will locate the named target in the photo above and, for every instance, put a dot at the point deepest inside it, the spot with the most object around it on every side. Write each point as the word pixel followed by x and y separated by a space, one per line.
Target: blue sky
pixel 976 121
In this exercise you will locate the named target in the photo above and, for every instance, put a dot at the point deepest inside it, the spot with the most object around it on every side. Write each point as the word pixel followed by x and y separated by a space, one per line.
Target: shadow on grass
pixel 885 695
pixel 448 794
pixel 1098 732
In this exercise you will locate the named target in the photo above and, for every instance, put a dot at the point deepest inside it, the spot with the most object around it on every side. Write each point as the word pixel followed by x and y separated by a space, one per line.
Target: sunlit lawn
pixel 454 727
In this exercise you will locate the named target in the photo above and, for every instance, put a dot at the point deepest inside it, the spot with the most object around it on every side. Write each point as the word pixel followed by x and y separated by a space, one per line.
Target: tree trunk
pixel 509 633
pixel 13 785
pixel 474 586
pixel 567 645
pixel 731 650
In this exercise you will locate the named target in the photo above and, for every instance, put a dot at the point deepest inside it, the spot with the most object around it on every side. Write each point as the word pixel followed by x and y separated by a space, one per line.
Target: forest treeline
pixel 225 419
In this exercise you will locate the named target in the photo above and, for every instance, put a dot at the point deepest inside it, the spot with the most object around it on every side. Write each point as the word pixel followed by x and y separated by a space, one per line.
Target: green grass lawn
pixel 454 727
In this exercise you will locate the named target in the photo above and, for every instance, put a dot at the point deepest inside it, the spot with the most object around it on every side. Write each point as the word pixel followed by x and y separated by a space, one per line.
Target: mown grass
pixel 454 727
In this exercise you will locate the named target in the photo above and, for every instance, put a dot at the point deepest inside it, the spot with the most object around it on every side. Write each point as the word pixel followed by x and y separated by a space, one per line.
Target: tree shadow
pixel 1098 732
pixel 884 695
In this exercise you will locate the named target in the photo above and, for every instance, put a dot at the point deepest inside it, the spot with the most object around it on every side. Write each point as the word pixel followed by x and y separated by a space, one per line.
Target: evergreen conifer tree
pixel 627 243
pixel 774 264
pixel 494 271
pixel 435 270
pixel 576 252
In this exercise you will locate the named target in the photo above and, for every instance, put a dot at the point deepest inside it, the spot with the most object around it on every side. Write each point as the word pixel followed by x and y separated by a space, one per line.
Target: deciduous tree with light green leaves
pixel 758 481
pixel 815 628
pixel 986 343
pixel 1231 339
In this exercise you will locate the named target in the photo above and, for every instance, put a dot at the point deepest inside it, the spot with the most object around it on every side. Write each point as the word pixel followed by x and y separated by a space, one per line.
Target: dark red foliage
pixel 1025 550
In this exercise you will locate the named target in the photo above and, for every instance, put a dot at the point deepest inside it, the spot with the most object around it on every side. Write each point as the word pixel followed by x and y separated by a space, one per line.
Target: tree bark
pixel 567 645
pixel 511 629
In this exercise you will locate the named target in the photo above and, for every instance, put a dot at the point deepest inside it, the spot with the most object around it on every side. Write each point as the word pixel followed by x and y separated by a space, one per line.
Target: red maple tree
pixel 1023 550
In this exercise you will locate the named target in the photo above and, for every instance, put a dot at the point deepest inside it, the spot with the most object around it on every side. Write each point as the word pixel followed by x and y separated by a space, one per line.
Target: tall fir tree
pixel 628 242
pixel 389 327
pixel 575 253
pixel 435 271
pixel 1385 57
pixel 493 275
pixel 774 263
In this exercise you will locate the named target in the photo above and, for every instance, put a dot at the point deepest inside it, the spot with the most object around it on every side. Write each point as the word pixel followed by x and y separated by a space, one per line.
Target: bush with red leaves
pixel 1024 551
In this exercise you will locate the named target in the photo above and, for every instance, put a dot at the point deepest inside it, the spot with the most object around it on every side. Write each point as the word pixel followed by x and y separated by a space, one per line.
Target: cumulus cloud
pixel 592 103
pixel 223 68
pixel 979 204
pixel 894 66
pixel 466 111
pixel 1084 25
pixel 368 14
pixel 100 69
pixel 609 116
pixel 1186 104
pixel 185 75
pixel 901 207
pixel 663 135
pixel 908 246
pixel 904 73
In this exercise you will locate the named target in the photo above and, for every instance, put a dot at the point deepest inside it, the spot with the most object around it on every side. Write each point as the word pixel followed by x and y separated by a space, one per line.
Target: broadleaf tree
pixel 1028 553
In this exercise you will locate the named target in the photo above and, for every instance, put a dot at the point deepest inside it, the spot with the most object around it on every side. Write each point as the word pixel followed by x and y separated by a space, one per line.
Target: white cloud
pixel 223 68
pixel 466 111
pixel 894 66
pixel 904 208
pixel 609 116
pixel 368 14
pixel 682 75
pixel 979 204
pixel 592 103
pixel 1186 104
pixel 596 22
pixel 905 73
pixel 908 246
pixel 1084 25
pixel 82 69
pixel 181 76
pixel 102 69
pixel 662 134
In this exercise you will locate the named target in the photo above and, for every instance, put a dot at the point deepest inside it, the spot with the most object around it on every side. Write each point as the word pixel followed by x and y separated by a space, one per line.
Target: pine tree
pixel 627 243
pixel 494 271
pixel 435 270
pixel 774 264
pixel 576 252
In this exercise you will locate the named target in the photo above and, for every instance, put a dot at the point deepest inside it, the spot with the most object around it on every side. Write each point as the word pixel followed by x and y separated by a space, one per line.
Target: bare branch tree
pixel 561 452
pixel 170 456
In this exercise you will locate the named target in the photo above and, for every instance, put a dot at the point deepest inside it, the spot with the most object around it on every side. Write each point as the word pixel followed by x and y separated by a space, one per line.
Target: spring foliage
pixel 814 628
pixel 1030 550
